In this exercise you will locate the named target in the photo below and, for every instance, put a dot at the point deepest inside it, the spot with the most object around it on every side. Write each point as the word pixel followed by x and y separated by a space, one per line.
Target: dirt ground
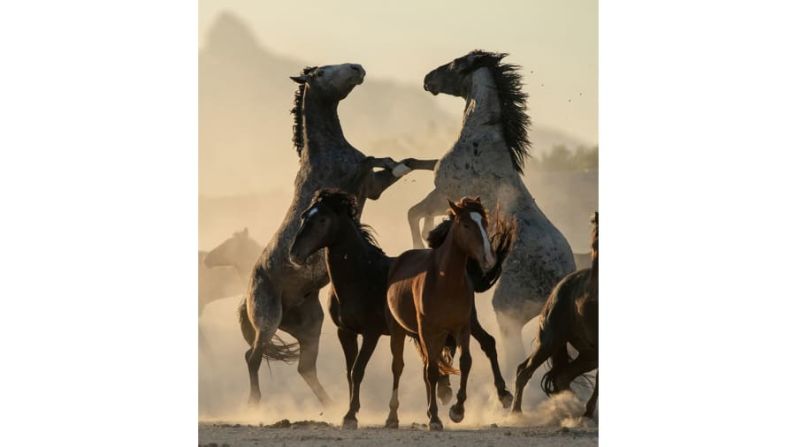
pixel 318 434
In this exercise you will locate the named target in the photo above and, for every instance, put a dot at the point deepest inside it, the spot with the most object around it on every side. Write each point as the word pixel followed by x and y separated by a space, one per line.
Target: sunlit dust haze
pixel 247 166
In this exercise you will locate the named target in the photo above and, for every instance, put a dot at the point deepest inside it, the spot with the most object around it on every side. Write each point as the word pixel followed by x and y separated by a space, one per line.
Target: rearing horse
pixel 282 295
pixel 431 297
pixel 487 161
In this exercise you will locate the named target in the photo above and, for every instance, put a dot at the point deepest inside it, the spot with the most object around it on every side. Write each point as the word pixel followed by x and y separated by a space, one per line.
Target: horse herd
pixel 494 230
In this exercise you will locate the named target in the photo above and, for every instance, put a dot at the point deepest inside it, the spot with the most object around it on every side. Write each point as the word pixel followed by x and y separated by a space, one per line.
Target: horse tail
pixel 445 363
pixel 559 361
pixel 276 348
pixel 501 241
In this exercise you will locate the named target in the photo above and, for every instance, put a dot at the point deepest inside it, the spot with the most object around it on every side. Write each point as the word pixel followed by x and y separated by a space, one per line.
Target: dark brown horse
pixel 570 315
pixel 358 271
pixel 431 297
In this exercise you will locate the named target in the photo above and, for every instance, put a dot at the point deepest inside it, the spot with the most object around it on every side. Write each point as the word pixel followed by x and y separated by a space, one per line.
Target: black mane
pixel 298 113
pixel 345 204
pixel 513 105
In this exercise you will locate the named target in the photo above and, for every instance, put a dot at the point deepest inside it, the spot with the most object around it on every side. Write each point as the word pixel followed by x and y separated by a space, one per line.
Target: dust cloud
pixel 247 167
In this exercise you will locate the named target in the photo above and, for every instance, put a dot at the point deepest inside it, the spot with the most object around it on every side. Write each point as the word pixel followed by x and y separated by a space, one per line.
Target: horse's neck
pixel 450 260
pixel 347 257
pixel 322 126
pixel 482 103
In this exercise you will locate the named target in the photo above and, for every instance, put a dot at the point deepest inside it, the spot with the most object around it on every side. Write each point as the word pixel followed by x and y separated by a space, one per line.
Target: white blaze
pixel 486 243
pixel 311 212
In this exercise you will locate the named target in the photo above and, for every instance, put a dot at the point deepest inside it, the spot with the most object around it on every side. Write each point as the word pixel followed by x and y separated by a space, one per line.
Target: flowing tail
pixel 276 348
pixel 501 241
pixel 559 361
pixel 445 363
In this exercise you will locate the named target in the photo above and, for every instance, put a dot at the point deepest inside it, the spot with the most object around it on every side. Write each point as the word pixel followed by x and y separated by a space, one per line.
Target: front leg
pixel 350 349
pixel 392 172
pixel 434 204
pixel 464 364
pixel 357 374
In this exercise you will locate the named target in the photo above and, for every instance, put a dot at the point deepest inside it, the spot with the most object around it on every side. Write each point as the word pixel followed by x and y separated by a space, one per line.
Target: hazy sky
pixel 554 40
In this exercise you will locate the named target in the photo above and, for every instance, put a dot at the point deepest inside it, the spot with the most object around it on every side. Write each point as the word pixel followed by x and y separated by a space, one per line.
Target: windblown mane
pixel 343 203
pixel 298 113
pixel 513 105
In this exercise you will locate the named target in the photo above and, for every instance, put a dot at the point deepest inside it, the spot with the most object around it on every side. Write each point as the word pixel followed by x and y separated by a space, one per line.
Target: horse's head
pixel 320 222
pixel 469 231
pixel 239 251
pixel 331 82
pixel 454 78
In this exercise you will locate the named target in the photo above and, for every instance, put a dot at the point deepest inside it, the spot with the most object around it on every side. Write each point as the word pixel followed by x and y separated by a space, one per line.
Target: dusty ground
pixel 317 434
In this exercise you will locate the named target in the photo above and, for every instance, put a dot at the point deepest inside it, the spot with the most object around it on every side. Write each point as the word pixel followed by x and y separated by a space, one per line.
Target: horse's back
pixel 405 273
pixel 559 313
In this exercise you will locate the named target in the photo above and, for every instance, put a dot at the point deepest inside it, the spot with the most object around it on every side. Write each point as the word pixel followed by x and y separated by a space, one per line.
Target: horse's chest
pixel 472 168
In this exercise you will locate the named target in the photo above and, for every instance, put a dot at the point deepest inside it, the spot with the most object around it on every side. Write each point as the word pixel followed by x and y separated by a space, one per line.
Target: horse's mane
pixel 513 104
pixel 439 233
pixel 345 204
pixel 298 112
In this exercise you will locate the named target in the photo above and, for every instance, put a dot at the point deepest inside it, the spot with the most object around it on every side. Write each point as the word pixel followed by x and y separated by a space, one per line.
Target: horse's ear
pixel 299 79
pixel 477 199
pixel 453 206
pixel 245 231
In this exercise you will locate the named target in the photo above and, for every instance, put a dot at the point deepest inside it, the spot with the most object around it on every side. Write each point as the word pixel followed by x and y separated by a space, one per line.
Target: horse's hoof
pixel 506 398
pixel 391 423
pixel 444 393
pixel 457 413
pixel 516 410
pixel 435 426
pixel 350 424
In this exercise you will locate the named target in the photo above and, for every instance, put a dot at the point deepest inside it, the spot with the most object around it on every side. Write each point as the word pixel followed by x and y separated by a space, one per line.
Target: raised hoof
pixel 350 424
pixel 506 398
pixel 457 413
pixel 435 426
pixel 444 393
pixel 391 423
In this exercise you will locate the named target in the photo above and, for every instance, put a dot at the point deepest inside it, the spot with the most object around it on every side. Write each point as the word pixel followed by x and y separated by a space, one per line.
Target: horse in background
pixel 487 160
pixel 570 315
pixel 223 271
pixel 430 297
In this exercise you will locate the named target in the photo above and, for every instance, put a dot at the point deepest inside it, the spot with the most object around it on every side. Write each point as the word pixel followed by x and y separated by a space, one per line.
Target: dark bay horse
pixel 570 315
pixel 431 297
pixel 282 296
pixel 358 271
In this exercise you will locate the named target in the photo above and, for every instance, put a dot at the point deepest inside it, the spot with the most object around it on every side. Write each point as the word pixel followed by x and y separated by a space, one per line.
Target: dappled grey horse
pixel 282 295
pixel 487 161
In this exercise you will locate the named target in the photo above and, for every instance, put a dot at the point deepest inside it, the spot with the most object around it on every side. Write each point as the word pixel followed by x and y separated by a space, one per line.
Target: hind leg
pixel 350 348
pixel 489 347
pixel 591 405
pixel 444 391
pixel 266 310
pixel 304 323
pixel 525 370
pixel 396 343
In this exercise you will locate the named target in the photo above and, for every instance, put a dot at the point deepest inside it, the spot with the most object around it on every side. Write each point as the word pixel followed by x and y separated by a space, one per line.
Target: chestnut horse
pixel 570 315
pixel 430 296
